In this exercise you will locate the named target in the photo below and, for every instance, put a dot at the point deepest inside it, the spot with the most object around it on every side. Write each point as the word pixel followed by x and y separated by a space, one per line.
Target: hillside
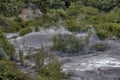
pixel 48 39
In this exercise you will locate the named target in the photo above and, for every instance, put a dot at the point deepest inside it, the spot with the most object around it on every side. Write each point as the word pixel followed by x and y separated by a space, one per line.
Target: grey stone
pixel 93 39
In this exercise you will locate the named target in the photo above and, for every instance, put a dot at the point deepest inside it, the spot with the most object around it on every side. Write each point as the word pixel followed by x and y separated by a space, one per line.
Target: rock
pixel 11 35
pixel 93 39
pixel 38 39
pixel 114 38
pixel 30 12
pixel 112 43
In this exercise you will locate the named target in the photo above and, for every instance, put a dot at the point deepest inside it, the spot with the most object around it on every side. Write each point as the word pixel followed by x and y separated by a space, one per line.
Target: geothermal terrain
pixel 59 39
pixel 96 66
pixel 85 65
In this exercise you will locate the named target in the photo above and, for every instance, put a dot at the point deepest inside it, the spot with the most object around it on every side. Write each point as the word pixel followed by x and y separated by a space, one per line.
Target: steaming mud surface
pixel 97 66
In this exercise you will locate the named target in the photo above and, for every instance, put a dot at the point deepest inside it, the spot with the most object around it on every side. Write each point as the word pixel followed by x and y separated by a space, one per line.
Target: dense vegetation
pixel 6 47
pixel 9 71
pixel 67 43
pixel 52 70
pixel 74 15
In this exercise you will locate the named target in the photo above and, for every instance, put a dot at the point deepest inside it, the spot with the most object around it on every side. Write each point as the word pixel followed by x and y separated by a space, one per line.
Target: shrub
pixel 108 30
pixel 24 31
pixel 75 26
pixel 52 71
pixel 33 23
pixel 111 17
pixel 9 24
pixel 57 14
pixel 76 10
pixel 6 46
pixel 67 43
pixel 105 5
pixel 9 71
pixel 40 57
pixel 10 8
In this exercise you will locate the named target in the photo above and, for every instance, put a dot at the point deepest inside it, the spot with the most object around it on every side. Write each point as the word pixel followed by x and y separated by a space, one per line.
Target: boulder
pixel 93 39
pixel 30 12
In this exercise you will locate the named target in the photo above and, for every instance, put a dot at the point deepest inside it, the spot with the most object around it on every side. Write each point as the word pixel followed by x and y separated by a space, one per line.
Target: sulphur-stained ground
pixel 97 66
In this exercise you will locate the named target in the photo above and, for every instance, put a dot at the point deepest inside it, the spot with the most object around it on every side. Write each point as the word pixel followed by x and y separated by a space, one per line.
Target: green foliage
pixel 44 21
pixel 75 14
pixel 67 43
pixel 10 7
pixel 76 10
pixel 57 4
pixel 39 58
pixel 9 24
pixel 111 17
pixel 52 71
pixel 24 31
pixel 6 46
pixel 9 71
pixel 46 5
pixel 108 30
pixel 48 67
pixel 57 14
pixel 35 23
pixel 104 5
pixel 75 26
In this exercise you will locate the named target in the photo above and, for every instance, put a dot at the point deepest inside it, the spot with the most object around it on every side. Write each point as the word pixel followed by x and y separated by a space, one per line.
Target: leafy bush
pixel 48 67
pixel 111 17
pixel 9 71
pixel 105 5
pixel 6 46
pixel 76 10
pixel 52 71
pixel 24 31
pixel 10 8
pixel 40 57
pixel 9 24
pixel 108 30
pixel 75 26
pixel 67 43
pixel 57 14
